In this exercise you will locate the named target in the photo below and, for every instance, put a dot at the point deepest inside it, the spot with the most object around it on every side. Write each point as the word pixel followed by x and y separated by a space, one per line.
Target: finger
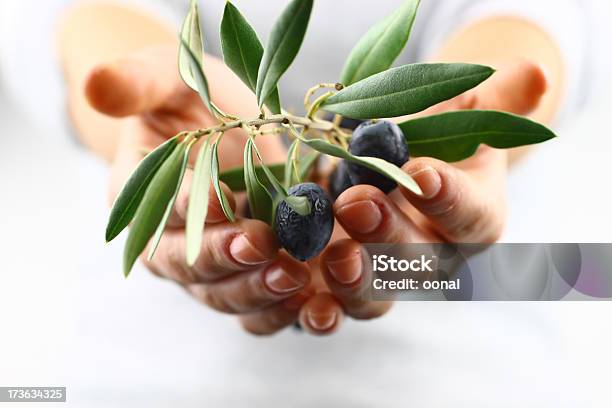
pixel 248 292
pixel 277 317
pixel 516 88
pixel 245 245
pixel 459 208
pixel 321 314
pixel 370 216
pixel 132 85
pixel 344 271
pixel 215 212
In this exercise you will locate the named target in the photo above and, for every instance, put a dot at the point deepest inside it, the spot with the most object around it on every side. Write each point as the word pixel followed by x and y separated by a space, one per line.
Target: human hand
pixel 240 269
pixel 462 202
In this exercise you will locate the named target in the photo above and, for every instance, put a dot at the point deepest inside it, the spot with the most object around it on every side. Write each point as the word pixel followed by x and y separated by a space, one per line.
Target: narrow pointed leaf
pixel 198 203
pixel 260 201
pixel 292 174
pixel 271 178
pixel 201 83
pixel 405 90
pixel 242 51
pixel 455 136
pixel 214 173
pixel 381 45
pixel 373 163
pixel 307 162
pixel 162 225
pixel 299 204
pixel 284 43
pixel 151 210
pixel 191 34
pixel 234 178
pixel 131 195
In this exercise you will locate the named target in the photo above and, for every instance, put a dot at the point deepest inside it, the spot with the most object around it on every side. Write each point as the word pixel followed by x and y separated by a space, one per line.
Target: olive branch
pixel 369 88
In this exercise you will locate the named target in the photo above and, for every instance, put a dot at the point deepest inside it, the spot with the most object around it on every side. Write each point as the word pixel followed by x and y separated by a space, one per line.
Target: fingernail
pixel 362 217
pixel 243 251
pixel 279 281
pixel 346 271
pixel 429 180
pixel 321 322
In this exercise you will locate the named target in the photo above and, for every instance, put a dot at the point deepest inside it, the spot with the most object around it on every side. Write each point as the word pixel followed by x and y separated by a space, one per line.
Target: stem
pixel 314 89
pixel 322 125
pixel 317 103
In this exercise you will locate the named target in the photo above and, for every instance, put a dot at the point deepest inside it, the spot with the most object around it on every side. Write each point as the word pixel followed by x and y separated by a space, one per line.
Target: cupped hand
pixel 463 202
pixel 241 269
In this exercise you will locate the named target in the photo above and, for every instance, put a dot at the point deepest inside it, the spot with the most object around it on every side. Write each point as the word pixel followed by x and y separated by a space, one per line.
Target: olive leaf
pixel 292 174
pixel 381 45
pixel 405 90
pixel 242 51
pixel 201 83
pixel 260 201
pixel 191 35
pixel 198 203
pixel 455 136
pixel 300 204
pixel 307 162
pixel 373 163
pixel 234 178
pixel 214 173
pixel 272 180
pixel 153 206
pixel 162 225
pixel 131 195
pixel 283 45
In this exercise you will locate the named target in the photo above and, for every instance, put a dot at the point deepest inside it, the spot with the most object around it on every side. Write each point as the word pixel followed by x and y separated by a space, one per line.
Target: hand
pixel 462 202
pixel 240 269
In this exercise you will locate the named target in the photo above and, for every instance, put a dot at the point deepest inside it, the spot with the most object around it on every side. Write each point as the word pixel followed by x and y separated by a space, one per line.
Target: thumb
pixel 136 84
pixel 458 208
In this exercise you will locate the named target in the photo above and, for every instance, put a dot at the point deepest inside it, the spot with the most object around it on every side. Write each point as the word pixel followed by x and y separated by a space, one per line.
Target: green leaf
pixel 162 225
pixel 225 204
pixel 381 45
pixel 405 90
pixel 271 178
pixel 292 173
pixel 242 51
pixel 455 136
pixel 234 178
pixel 373 163
pixel 299 204
pixel 284 43
pixel 260 201
pixel 201 83
pixel 307 162
pixel 198 203
pixel 151 210
pixel 133 191
pixel 191 35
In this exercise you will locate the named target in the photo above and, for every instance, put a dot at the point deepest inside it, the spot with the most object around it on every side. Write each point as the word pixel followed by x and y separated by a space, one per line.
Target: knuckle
pixel 204 294
pixel 177 269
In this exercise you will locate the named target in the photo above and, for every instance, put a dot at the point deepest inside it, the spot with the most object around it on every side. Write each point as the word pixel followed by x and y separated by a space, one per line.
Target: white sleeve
pixel 29 65
pixel 567 21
